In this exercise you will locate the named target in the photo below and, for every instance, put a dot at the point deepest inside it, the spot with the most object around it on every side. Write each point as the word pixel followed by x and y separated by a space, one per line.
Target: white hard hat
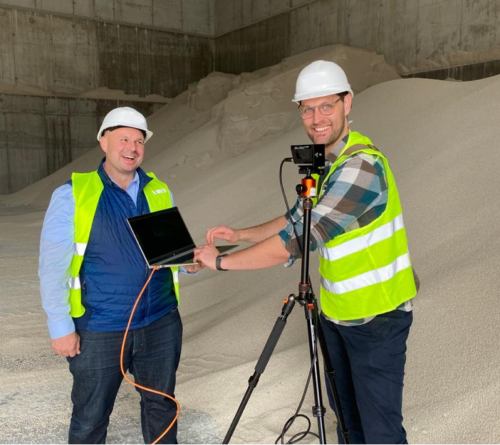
pixel 321 78
pixel 124 117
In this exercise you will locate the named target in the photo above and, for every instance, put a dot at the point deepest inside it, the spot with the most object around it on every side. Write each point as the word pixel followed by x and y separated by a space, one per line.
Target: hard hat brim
pixel 149 134
pixel 326 92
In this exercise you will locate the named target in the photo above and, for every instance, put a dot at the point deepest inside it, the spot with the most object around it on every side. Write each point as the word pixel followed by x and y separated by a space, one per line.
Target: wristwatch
pixel 218 261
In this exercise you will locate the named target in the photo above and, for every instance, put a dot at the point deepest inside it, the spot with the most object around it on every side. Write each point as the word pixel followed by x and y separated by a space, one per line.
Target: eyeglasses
pixel 325 109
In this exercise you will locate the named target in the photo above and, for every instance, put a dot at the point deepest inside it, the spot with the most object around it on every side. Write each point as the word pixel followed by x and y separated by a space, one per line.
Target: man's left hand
pixel 194 268
pixel 206 255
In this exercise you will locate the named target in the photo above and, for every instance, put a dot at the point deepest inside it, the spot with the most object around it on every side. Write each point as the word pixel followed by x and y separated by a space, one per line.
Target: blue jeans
pixel 369 362
pixel 151 354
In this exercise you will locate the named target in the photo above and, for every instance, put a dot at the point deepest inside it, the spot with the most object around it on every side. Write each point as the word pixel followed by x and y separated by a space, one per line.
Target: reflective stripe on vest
pixel 87 189
pixel 367 271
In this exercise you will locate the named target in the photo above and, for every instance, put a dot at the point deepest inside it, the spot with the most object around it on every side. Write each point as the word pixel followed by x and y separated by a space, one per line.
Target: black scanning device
pixel 310 158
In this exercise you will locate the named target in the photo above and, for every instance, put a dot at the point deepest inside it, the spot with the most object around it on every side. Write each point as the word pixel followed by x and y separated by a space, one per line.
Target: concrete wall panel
pixel 20 3
pixel 65 7
pixel 84 125
pixel 137 11
pixel 315 25
pixel 4 155
pixel 259 10
pixel 364 18
pixel 229 16
pixel 162 61
pixel 439 28
pixel 479 22
pixel 105 10
pixel 167 14
pixel 392 27
pixel 58 138
pixel 83 8
pixel 27 157
pixel 85 55
pixel 195 16
pixel 295 3
pixel 278 6
pixel 83 130
pixel 128 45
pixel 33 49
pixel 141 61
pixel 253 47
pixel 7 55
pixel 234 14
pixel 68 75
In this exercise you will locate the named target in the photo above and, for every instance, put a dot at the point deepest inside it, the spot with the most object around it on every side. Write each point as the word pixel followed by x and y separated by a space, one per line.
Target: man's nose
pixel 317 116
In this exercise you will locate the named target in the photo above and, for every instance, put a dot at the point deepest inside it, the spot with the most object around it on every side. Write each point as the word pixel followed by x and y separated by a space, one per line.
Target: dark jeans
pixel 369 362
pixel 151 354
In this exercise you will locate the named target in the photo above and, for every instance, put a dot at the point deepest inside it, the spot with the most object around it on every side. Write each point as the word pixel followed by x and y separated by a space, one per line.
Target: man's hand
pixel 222 232
pixel 194 268
pixel 67 346
pixel 206 255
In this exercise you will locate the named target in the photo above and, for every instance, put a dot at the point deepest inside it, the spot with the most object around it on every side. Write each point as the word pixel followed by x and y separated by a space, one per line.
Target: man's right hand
pixel 67 346
pixel 222 232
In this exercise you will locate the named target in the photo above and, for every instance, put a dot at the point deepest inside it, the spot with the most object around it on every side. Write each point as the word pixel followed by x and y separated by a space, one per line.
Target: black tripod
pixel 306 299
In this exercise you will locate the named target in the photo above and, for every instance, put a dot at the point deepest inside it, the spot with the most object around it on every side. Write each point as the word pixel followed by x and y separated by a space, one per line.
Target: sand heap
pixel 440 138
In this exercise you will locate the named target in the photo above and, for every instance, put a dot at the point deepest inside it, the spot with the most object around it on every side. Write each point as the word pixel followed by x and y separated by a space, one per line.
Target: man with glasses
pixel 367 280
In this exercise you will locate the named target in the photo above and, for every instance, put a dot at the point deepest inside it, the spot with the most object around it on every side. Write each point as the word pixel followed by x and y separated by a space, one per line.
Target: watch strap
pixel 218 261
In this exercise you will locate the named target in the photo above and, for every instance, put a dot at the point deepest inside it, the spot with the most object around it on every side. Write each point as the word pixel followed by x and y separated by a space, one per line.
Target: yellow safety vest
pixel 367 271
pixel 87 189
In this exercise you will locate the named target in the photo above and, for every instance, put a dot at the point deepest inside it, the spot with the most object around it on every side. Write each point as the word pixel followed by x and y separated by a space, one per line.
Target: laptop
pixel 164 239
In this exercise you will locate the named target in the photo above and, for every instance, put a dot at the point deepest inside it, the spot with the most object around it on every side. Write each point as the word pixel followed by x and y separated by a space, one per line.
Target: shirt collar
pixel 337 149
pixel 140 176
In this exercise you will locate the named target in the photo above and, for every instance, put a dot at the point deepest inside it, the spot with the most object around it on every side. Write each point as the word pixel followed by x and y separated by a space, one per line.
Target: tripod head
pixel 307 188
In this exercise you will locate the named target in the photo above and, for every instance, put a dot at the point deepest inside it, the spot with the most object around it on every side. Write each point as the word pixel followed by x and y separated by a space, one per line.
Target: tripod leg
pixel 318 409
pixel 330 373
pixel 271 343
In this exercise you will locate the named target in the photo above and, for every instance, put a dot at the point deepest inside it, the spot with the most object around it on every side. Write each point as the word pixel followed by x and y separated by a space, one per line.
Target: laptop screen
pixel 161 234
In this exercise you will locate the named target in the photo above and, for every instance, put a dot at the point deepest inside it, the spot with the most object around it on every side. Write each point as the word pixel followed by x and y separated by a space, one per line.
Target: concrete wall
pixel 60 54
pixel 39 135
pixel 414 35
pixel 48 60
pixel 188 16
pixel 53 51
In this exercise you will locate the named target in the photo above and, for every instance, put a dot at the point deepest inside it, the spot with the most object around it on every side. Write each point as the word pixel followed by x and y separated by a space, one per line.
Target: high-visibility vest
pixel 367 271
pixel 87 189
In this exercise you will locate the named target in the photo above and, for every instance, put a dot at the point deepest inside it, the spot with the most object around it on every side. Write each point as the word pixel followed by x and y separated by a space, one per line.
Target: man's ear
pixel 347 104
pixel 104 143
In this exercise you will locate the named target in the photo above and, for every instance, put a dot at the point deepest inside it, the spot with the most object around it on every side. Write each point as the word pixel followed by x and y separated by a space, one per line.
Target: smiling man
pixel 91 273
pixel 367 281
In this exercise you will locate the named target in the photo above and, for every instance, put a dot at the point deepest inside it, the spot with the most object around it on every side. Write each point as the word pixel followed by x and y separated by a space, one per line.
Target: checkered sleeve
pixel 354 195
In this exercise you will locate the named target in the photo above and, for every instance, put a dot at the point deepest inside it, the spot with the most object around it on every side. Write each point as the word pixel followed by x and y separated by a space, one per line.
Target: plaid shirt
pixel 353 197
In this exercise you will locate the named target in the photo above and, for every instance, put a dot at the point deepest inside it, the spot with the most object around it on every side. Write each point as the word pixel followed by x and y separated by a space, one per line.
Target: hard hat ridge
pixel 321 78
pixel 124 117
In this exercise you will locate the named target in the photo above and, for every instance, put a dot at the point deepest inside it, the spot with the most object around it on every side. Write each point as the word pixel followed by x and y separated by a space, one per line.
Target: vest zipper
pixel 146 291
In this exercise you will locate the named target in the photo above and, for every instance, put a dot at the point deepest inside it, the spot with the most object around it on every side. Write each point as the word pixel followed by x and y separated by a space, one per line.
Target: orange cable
pixel 121 361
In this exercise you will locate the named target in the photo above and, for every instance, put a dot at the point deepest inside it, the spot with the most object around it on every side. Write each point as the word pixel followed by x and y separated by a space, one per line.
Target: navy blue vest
pixel 114 270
